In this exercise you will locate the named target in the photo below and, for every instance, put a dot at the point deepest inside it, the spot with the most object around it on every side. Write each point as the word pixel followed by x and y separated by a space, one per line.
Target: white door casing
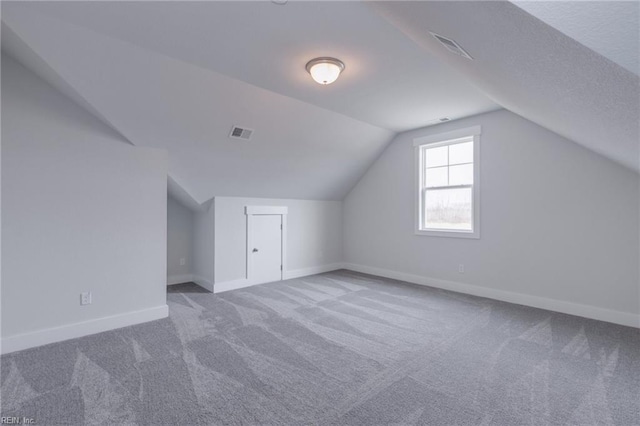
pixel 266 243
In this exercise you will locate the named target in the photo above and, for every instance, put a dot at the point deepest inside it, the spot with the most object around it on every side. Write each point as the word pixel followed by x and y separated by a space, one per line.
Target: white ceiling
pixel 388 81
pixel 158 101
pixel 611 28
pixel 177 75
pixel 534 70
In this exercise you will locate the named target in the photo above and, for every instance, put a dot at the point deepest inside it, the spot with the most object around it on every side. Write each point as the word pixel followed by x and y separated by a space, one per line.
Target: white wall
pixel 179 242
pixel 314 236
pixel 203 246
pixel 559 224
pixel 82 210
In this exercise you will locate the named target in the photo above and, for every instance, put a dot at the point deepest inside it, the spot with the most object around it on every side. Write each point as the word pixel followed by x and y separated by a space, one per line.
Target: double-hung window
pixel 447 184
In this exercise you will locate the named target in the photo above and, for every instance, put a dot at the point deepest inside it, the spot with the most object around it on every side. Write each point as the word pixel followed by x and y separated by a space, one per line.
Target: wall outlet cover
pixel 85 298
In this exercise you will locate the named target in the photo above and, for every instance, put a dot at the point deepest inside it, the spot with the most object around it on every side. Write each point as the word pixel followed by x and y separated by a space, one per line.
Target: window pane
pixel 437 156
pixel 436 177
pixel 448 209
pixel 461 153
pixel 461 175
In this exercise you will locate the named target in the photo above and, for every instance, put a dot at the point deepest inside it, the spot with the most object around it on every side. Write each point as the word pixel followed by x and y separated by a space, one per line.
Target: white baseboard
pixel 80 329
pixel 203 282
pixel 297 273
pixel 587 311
pixel 232 285
pixel 179 279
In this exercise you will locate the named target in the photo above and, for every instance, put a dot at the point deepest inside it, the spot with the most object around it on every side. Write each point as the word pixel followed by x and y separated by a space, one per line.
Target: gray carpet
pixel 334 349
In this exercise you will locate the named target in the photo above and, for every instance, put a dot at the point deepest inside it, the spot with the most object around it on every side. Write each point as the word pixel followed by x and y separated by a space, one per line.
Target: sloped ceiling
pixel 532 69
pixel 178 75
pixel 388 82
pixel 611 28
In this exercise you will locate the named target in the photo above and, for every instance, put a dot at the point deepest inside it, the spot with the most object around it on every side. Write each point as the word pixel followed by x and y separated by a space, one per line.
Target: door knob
pixel 255 250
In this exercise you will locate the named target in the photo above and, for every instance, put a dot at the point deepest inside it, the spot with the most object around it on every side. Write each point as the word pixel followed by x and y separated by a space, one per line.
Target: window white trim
pixel 445 139
pixel 448 136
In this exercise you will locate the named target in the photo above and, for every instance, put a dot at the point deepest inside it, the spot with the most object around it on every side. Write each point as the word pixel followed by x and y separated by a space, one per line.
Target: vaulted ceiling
pixel 610 28
pixel 534 70
pixel 178 75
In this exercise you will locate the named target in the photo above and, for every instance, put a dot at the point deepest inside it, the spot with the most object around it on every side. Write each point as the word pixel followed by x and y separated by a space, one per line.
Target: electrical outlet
pixel 85 298
pixel 461 268
pixel 183 261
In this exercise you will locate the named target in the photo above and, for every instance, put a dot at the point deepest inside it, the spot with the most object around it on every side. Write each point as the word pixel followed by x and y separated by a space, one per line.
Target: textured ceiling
pixel 534 70
pixel 298 151
pixel 388 82
pixel 177 75
pixel 611 28
pixel 158 101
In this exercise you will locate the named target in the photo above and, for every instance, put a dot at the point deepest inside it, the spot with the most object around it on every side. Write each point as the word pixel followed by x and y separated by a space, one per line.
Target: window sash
pixel 447 165
pixel 423 209
pixel 431 188
pixel 423 158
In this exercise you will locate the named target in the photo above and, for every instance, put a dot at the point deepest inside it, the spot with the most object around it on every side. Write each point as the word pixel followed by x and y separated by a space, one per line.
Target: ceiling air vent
pixel 436 121
pixel 452 46
pixel 238 132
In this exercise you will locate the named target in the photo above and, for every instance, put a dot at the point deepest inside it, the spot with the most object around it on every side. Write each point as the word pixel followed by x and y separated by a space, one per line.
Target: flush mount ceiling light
pixel 325 70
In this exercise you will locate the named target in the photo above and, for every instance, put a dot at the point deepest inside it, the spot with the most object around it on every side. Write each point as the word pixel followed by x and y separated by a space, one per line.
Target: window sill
pixel 449 234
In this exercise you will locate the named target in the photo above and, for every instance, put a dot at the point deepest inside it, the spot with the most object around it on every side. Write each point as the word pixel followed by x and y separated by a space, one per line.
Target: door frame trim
pixel 250 212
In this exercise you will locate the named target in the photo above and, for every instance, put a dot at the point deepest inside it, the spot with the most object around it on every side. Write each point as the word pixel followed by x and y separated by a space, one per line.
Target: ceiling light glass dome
pixel 325 70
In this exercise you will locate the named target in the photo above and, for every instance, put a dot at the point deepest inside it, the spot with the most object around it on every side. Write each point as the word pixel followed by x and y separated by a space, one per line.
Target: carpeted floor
pixel 339 348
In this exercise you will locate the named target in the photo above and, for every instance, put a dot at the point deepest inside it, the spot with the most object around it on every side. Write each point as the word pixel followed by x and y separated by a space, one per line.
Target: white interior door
pixel 265 249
